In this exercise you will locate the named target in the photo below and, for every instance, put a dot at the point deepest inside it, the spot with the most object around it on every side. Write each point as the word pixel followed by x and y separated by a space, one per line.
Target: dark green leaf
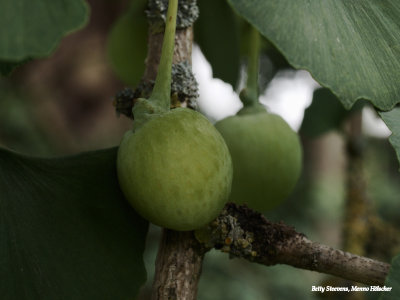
pixel 19 129
pixel 274 55
pixel 217 33
pixel 393 281
pixel 271 61
pixel 33 29
pixel 325 113
pixel 66 231
pixel 127 44
pixel 392 120
pixel 6 67
pixel 349 46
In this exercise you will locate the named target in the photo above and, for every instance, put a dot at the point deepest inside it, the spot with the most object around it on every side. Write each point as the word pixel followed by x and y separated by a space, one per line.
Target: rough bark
pixel 182 51
pixel 178 266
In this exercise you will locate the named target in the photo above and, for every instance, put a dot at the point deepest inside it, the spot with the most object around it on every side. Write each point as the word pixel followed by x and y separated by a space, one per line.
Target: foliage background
pixel 63 104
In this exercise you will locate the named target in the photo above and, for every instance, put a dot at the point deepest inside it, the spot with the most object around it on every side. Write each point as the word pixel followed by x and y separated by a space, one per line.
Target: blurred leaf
pixel 393 280
pixel 217 33
pixel 275 56
pixel 31 29
pixel 66 231
pixel 324 114
pixel 349 46
pixel 127 44
pixel 6 67
pixel 270 60
pixel 19 128
pixel 392 120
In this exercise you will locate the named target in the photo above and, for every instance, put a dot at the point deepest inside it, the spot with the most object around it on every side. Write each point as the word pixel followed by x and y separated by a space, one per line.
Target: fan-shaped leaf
pixel 30 29
pixel 350 46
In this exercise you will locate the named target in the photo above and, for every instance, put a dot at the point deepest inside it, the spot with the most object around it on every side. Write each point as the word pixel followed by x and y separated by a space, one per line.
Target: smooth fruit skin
pixel 176 170
pixel 266 155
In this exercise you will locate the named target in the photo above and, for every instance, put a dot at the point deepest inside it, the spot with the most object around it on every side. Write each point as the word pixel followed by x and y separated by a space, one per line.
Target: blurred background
pixel 63 105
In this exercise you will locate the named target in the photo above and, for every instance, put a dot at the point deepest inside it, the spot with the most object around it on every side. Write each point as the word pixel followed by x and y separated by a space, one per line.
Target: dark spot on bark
pixel 267 235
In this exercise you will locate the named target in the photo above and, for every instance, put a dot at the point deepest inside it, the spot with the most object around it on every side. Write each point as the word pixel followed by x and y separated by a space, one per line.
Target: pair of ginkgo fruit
pixel 178 170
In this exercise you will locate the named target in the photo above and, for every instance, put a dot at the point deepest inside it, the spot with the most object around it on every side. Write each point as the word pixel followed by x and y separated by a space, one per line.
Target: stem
pixel 162 88
pixel 249 96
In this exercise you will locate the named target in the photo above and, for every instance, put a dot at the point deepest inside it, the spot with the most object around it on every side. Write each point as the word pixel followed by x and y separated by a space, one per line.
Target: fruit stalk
pixel 160 95
pixel 249 96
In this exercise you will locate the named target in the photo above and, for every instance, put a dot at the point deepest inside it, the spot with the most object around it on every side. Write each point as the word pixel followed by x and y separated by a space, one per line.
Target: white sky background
pixel 288 95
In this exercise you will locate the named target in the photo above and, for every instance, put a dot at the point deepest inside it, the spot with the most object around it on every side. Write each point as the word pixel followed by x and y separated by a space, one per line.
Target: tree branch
pixel 244 233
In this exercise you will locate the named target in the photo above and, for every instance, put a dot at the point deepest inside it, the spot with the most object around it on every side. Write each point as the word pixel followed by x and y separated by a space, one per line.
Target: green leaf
pixel 350 46
pixel 392 120
pixel 393 281
pixel 19 129
pixel 271 61
pixel 31 29
pixel 66 231
pixel 127 44
pixel 217 33
pixel 325 113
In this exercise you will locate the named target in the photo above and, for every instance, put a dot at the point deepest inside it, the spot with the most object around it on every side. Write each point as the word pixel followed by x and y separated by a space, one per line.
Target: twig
pixel 244 233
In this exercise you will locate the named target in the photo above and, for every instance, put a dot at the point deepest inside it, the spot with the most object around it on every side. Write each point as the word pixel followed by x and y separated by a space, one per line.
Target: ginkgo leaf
pixel 351 47
pixel 32 29
pixel 325 113
pixel 66 231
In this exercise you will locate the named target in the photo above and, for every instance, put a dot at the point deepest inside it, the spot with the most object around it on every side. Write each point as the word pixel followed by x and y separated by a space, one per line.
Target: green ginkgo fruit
pixel 176 170
pixel 266 155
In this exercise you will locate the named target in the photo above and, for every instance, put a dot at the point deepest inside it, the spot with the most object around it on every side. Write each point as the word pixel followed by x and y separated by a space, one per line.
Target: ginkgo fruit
pixel 266 155
pixel 176 170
